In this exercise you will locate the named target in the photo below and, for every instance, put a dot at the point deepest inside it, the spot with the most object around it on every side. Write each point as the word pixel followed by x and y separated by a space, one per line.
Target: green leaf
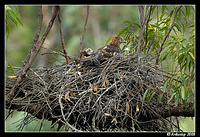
pixel 108 40
pixel 8 29
pixel 165 86
pixel 183 27
pixel 151 96
pixel 122 31
pixel 160 98
pixel 192 32
pixel 145 94
pixel 153 8
pixel 11 68
pixel 183 92
pixel 164 51
pixel 7 8
pixel 179 14
pixel 177 26
pixel 13 16
pixel 187 10
pixel 172 96
pixel 167 56
pixel 124 47
pixel 164 29
pixel 127 21
pixel 163 12
pixel 177 100
pixel 192 25
pixel 191 55
pixel 19 19
pixel 136 24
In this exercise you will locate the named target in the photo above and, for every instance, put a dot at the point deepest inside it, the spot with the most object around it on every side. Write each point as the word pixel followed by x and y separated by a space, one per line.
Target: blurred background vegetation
pixel 104 21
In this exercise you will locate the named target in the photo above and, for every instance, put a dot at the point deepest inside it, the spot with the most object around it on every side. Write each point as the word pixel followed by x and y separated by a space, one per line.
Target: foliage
pixel 178 48
pixel 13 16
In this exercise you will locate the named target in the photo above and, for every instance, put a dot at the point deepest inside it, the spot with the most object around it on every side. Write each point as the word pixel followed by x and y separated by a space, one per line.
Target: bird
pixel 108 51
pixel 87 52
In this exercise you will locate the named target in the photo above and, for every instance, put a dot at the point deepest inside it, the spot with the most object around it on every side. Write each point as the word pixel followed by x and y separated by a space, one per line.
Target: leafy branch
pixel 170 29
pixel 12 16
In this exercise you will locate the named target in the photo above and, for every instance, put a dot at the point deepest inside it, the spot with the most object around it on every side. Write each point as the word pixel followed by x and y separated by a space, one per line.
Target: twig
pixel 142 22
pixel 65 121
pixel 76 105
pixel 147 26
pixel 40 15
pixel 34 51
pixel 104 93
pixel 62 38
pixel 83 35
pixel 141 11
pixel 73 128
pixel 172 25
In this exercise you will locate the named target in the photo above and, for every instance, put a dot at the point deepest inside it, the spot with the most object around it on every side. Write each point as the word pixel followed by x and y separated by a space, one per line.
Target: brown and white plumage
pixel 104 53
pixel 87 52
pixel 111 50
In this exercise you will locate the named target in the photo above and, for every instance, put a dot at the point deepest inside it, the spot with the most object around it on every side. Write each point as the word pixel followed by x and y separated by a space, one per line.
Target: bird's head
pixel 117 40
pixel 87 51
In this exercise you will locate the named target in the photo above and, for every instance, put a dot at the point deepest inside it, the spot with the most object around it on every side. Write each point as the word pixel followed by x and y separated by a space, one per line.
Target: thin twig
pixel 104 93
pixel 149 15
pixel 170 29
pixel 83 35
pixel 73 128
pixel 141 11
pixel 40 15
pixel 142 22
pixel 65 121
pixel 62 38
pixel 76 105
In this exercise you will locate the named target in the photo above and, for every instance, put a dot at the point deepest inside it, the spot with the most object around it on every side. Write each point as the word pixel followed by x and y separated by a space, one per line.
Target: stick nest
pixel 111 96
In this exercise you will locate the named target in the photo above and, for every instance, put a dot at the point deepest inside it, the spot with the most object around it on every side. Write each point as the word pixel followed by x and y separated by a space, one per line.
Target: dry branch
pixel 83 35
pixel 62 38
pixel 35 49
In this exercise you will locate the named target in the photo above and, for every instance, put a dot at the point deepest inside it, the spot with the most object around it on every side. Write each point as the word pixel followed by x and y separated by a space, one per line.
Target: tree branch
pixel 141 11
pixel 83 35
pixel 62 38
pixel 40 16
pixel 170 29
pixel 148 15
pixel 142 22
pixel 34 51
pixel 179 110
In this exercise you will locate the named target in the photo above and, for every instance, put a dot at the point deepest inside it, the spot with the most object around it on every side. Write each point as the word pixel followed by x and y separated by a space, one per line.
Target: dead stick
pixel 36 48
pixel 170 29
pixel 62 38
pixel 83 35
pixel 40 16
